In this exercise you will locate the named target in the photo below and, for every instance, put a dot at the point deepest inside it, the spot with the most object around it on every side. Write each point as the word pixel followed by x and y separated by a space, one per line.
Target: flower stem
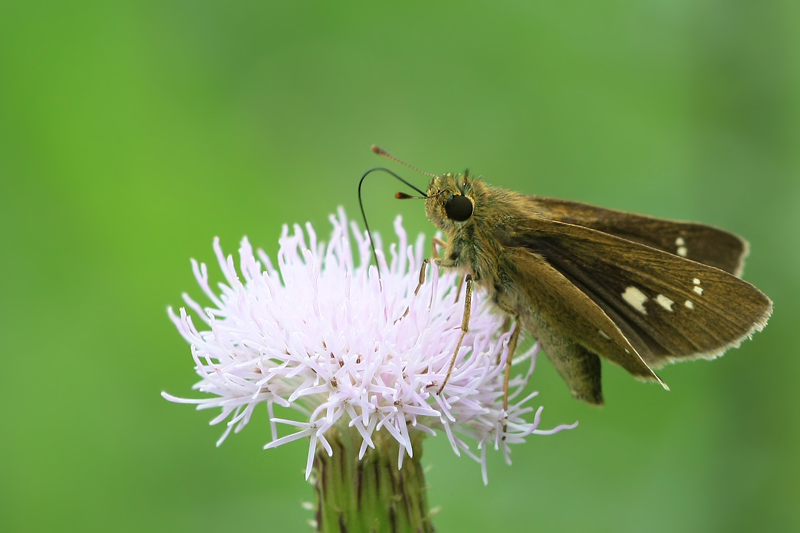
pixel 370 495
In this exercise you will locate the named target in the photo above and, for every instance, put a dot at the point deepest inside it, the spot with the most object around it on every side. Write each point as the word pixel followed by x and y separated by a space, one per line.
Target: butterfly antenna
pixel 364 215
pixel 383 153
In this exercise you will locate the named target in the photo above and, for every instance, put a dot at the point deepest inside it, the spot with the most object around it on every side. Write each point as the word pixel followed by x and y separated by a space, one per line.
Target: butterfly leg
pixel 419 285
pixel 505 328
pixel 512 347
pixel 458 289
pixel 422 271
pixel 511 315
pixel 437 243
pixel 464 328
pixel 467 279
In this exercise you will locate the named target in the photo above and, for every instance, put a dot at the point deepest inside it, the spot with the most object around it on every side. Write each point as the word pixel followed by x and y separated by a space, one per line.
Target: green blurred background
pixel 132 133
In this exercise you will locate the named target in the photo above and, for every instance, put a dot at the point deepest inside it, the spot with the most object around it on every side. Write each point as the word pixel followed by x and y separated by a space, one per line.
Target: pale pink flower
pixel 325 336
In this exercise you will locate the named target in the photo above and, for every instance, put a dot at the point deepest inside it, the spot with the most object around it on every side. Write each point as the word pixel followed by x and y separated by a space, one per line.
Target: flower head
pixel 343 347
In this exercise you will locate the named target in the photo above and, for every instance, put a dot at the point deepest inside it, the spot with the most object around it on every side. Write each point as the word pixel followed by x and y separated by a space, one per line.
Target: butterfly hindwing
pixel 561 307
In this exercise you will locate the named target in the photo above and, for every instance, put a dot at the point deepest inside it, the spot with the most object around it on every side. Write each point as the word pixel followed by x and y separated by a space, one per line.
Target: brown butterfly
pixel 589 282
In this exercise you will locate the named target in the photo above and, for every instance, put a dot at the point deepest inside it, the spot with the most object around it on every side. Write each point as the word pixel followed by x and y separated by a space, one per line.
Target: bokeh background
pixel 133 132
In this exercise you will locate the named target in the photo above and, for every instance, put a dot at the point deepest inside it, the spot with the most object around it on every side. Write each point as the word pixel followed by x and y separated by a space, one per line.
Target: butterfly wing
pixel 698 242
pixel 668 308
pixel 557 304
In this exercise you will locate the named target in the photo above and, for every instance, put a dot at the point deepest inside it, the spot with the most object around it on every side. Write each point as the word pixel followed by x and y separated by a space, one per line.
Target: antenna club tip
pixel 375 148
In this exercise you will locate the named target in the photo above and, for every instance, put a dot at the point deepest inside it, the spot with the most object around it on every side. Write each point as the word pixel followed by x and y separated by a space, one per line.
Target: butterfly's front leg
pixel 437 243
pixel 440 262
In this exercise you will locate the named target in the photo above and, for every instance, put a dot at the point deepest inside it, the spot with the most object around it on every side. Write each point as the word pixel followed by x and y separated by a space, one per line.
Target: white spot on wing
pixel 681 244
pixel 635 299
pixel 696 281
pixel 689 304
pixel 604 334
pixel 664 302
pixel 698 290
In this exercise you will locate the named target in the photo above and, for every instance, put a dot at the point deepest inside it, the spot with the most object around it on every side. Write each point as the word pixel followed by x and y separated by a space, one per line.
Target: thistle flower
pixel 329 339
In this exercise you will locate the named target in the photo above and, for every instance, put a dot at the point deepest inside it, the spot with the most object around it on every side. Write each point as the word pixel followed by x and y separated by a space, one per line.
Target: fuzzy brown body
pixel 589 282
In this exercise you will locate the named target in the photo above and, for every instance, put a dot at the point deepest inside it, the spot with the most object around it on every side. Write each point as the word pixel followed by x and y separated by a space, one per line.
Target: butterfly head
pixel 450 200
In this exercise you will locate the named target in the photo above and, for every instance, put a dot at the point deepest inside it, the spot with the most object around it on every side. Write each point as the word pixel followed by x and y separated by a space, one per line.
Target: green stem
pixel 371 495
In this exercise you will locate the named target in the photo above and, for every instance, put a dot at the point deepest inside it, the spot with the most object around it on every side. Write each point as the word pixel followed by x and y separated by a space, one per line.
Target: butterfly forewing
pixel 698 242
pixel 669 308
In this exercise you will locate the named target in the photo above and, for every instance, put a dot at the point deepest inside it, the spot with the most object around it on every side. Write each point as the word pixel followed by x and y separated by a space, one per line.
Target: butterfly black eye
pixel 458 208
